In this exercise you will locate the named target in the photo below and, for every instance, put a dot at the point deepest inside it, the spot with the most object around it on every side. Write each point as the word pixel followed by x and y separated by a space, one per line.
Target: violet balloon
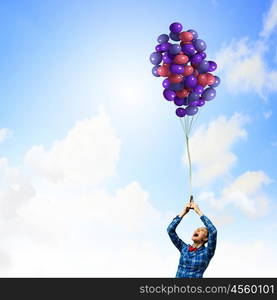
pixel 198 89
pixel 169 95
pixel 174 49
pixel 179 101
pixel 180 112
pixel 163 38
pixel 203 54
pixel 154 71
pixel 176 27
pixel 176 86
pixel 194 33
pixel 216 83
pixel 178 69
pixel 191 110
pixel 155 58
pixel 196 58
pixel 167 58
pixel 188 49
pixel 199 45
pixel 165 46
pixel 209 94
pixel 190 81
pixel 166 83
pixel 201 102
pixel 203 67
pixel 212 66
pixel 174 36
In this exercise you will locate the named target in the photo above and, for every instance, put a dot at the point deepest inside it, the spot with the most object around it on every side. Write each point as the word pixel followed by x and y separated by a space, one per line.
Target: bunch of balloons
pixel 188 81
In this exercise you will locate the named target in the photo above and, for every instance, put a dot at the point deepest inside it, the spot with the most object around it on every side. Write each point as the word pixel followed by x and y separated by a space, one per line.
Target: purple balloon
pixel 198 89
pixel 165 46
pixel 201 102
pixel 186 101
pixel 216 83
pixel 169 95
pixel 154 71
pixel 155 58
pixel 191 81
pixel 203 67
pixel 196 58
pixel 158 48
pixel 176 27
pixel 199 45
pixel 212 66
pixel 188 49
pixel 194 33
pixel 179 101
pixel 209 94
pixel 193 96
pixel 163 38
pixel 191 110
pixel 203 54
pixel 174 36
pixel 166 83
pixel 180 112
pixel 193 103
pixel 177 69
pixel 167 58
pixel 176 86
pixel 174 49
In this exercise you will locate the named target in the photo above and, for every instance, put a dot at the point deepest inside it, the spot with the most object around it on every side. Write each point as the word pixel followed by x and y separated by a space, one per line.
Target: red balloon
pixel 210 78
pixel 184 43
pixel 182 94
pixel 202 79
pixel 188 70
pixel 181 59
pixel 186 36
pixel 175 78
pixel 163 71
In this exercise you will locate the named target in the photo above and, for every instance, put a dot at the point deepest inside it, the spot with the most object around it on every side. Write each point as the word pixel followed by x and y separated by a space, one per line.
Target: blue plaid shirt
pixel 192 264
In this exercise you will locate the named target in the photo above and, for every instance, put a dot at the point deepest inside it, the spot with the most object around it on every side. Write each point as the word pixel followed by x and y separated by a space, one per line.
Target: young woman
pixel 195 258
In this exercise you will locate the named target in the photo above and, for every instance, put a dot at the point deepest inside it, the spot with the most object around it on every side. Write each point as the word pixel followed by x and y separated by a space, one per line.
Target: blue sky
pixel 64 61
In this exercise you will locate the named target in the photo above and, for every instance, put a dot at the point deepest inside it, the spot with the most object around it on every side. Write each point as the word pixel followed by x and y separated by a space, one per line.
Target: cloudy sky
pixel 92 158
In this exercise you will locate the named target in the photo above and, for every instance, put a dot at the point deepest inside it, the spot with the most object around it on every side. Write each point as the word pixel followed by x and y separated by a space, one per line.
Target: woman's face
pixel 200 235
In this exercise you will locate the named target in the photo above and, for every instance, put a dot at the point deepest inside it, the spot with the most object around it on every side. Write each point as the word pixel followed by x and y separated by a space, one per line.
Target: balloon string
pixel 185 129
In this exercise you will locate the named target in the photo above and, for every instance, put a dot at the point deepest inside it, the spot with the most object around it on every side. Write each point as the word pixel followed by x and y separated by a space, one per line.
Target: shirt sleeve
pixel 212 235
pixel 173 235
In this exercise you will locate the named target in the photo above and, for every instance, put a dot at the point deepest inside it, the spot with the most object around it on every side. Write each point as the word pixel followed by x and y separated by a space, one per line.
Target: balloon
pixel 203 54
pixel 186 101
pixel 194 33
pixel 196 58
pixel 175 78
pixel 163 71
pixel 210 79
pixel 166 83
pixel 167 57
pixel 209 94
pixel 202 79
pixel 212 66
pixel 199 45
pixel 193 96
pixel 181 59
pixel 180 112
pixel 174 49
pixel 155 58
pixel 216 83
pixel 174 36
pixel 169 95
pixel 191 81
pixel 182 94
pixel 178 69
pixel 191 110
pixel 193 103
pixel 163 38
pixel 165 46
pixel 188 70
pixel 198 89
pixel 176 86
pixel 186 36
pixel 201 102
pixel 154 71
pixel 158 48
pixel 179 101
pixel 188 49
pixel 203 67
pixel 195 73
pixel 176 27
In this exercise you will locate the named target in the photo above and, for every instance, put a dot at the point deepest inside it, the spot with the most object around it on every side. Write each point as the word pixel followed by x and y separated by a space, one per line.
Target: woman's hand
pixel 186 209
pixel 196 208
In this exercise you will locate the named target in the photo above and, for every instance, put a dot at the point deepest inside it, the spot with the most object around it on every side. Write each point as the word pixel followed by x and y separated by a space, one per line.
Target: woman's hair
pixel 207 236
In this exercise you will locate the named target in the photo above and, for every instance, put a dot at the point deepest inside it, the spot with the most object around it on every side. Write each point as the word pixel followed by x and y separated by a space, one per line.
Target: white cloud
pixel 244 193
pixel 4 133
pixel 88 153
pixel 243 62
pixel 243 259
pixel 211 145
pixel 267 114
pixel 270 20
